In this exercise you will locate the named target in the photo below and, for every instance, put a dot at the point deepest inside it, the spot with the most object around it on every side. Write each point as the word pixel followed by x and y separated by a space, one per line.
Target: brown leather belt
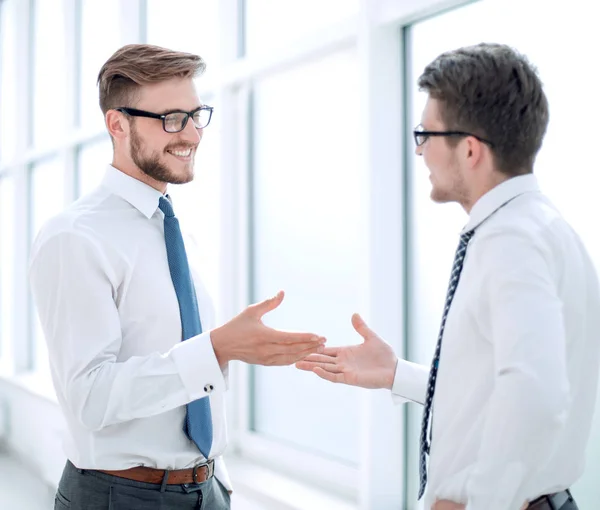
pixel 197 474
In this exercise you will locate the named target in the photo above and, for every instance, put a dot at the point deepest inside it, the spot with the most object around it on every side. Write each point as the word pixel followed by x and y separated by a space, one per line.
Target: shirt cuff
pixel 410 382
pixel 198 367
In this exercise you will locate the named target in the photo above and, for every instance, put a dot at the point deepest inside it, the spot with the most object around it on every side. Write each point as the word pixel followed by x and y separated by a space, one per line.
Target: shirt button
pixel 208 388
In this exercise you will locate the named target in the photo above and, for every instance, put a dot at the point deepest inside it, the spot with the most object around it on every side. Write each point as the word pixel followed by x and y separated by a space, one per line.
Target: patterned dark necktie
pixel 454 277
pixel 198 423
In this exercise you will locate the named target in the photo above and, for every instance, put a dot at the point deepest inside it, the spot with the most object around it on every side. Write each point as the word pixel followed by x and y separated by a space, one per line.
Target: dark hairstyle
pixel 492 91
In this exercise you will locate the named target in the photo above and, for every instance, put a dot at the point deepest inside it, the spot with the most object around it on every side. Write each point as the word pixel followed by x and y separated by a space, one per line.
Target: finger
pixel 288 358
pixel 321 358
pixel 291 338
pixel 328 376
pixel 361 327
pixel 297 349
pixel 332 368
pixel 267 305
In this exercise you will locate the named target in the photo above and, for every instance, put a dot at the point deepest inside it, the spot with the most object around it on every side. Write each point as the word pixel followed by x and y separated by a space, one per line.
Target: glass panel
pixel 49 73
pixel 8 84
pixel 7 248
pixel 47 200
pixel 435 227
pixel 198 206
pixel 92 160
pixel 309 236
pixel 165 28
pixel 272 25
pixel 100 38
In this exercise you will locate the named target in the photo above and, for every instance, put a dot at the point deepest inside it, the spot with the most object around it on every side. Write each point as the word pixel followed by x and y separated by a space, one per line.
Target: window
pixel 48 116
pixel 8 85
pixel 309 238
pixel 7 247
pixel 92 160
pixel 271 26
pixel 100 38
pixel 47 200
pixel 201 37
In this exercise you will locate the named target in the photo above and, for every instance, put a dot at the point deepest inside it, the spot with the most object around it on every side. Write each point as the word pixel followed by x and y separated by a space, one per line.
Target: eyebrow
pixel 173 110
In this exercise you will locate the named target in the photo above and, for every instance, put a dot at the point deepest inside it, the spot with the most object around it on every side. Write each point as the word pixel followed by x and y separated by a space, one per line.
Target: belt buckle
pixel 207 465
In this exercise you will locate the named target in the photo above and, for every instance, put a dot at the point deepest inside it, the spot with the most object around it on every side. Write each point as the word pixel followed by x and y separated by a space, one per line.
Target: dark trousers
pixel 546 503
pixel 91 490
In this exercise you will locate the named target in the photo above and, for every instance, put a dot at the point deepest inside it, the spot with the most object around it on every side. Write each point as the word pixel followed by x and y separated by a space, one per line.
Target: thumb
pixel 268 305
pixel 361 327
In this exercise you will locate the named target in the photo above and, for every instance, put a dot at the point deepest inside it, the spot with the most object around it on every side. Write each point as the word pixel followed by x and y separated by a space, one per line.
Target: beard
pixel 453 187
pixel 152 165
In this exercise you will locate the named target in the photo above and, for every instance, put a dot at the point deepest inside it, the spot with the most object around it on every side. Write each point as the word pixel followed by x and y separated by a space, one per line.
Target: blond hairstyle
pixel 136 65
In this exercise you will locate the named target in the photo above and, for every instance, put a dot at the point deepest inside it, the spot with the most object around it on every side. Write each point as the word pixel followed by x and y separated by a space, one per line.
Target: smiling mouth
pixel 181 153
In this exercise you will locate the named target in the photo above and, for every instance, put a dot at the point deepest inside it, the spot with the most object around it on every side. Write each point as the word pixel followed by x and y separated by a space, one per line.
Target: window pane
pixel 309 239
pixel 197 204
pixel 92 160
pixel 166 28
pixel 49 73
pixel 8 84
pixel 47 200
pixel 7 247
pixel 563 171
pixel 271 25
pixel 100 38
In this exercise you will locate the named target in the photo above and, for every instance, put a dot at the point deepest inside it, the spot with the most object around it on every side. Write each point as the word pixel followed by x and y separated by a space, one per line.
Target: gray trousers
pixel 81 489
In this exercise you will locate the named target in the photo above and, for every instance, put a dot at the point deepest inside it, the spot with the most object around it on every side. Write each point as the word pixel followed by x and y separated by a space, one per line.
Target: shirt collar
pixel 141 196
pixel 498 196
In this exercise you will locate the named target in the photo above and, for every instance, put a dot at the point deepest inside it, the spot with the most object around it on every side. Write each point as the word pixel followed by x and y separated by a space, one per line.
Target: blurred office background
pixel 307 182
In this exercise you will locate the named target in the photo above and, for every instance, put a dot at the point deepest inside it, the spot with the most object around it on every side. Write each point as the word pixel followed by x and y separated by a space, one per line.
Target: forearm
pixel 113 392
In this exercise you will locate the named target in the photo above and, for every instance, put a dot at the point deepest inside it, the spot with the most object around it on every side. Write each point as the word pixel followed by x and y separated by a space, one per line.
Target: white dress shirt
pixel 109 312
pixel 519 362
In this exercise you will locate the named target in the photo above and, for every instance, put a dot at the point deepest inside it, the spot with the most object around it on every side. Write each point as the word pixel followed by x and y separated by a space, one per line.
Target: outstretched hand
pixel 247 338
pixel 371 364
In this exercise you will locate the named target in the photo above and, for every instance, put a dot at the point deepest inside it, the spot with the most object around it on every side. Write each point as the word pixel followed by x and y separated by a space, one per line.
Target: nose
pixel 419 150
pixel 190 133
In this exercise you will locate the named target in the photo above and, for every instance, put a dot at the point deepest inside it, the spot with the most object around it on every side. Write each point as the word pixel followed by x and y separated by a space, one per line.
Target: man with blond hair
pixel 139 367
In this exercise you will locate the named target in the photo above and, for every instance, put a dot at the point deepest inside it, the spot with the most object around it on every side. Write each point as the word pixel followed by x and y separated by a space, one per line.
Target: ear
pixel 473 151
pixel 117 125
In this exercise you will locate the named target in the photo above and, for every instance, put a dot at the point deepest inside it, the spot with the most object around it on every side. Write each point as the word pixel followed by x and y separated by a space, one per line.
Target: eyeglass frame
pixel 426 134
pixel 133 112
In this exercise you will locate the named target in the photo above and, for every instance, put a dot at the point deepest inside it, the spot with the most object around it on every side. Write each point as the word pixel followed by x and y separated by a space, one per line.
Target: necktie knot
pixel 165 206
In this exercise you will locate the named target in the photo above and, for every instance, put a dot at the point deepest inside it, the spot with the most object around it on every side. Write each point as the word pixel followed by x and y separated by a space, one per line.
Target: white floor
pixel 20 490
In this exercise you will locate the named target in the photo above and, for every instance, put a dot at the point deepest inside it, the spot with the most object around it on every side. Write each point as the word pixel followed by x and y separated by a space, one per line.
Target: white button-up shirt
pixel 518 369
pixel 109 312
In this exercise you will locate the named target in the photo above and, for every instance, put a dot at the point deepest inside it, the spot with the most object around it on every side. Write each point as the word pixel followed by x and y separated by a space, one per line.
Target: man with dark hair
pixel 515 370
pixel 138 366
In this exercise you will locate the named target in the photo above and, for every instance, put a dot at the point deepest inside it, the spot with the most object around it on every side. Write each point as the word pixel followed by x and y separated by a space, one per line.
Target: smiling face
pixel 165 157
pixel 143 149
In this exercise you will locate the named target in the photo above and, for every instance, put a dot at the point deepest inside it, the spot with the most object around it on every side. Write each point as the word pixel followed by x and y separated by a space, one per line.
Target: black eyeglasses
pixel 175 121
pixel 421 135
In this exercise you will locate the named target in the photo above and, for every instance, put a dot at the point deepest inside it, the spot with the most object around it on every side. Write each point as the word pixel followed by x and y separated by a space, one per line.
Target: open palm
pixel 371 364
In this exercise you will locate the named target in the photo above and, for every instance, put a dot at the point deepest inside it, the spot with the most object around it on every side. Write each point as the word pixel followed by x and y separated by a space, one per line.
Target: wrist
pixel 391 376
pixel 218 338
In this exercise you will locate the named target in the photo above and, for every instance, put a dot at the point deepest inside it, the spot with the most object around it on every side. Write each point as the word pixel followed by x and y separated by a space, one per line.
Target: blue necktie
pixel 454 277
pixel 198 424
